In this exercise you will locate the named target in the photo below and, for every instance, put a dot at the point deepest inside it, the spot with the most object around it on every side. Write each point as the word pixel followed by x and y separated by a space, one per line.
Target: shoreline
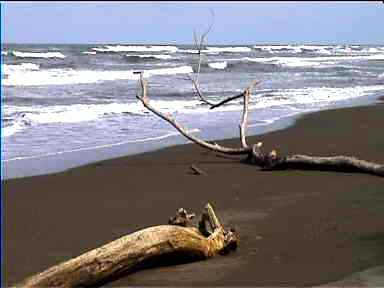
pixel 297 228
pixel 58 162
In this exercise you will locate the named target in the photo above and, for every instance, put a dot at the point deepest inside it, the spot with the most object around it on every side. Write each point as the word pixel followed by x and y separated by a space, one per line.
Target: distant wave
pixel 38 54
pixel 218 65
pixel 237 49
pixel 89 52
pixel 191 51
pixel 218 50
pixel 293 48
pixel 320 49
pixel 151 56
pixel 305 61
pixel 5 53
pixel 70 76
pixel 123 48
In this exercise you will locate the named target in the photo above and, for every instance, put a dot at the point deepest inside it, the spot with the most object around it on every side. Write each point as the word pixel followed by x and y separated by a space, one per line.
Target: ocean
pixel 69 105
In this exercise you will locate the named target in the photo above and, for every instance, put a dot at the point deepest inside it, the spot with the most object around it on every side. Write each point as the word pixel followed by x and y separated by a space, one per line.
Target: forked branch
pixel 271 160
pixel 167 117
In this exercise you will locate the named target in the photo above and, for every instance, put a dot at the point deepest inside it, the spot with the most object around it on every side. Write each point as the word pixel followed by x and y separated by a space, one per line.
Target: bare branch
pixel 199 46
pixel 250 87
pixel 214 147
pixel 198 92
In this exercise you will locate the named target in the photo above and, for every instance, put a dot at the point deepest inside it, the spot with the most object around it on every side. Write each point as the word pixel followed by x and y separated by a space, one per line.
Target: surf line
pixel 99 146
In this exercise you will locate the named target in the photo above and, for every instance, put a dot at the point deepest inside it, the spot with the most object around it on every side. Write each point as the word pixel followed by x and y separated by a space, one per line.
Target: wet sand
pixel 297 228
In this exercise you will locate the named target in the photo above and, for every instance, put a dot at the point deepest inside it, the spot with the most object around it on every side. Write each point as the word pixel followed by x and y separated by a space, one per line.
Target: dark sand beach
pixel 297 228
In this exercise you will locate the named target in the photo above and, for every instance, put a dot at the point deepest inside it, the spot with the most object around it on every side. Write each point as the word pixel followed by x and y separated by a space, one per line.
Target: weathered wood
pixel 335 163
pixel 148 247
pixel 269 161
pixel 196 170
pixel 215 147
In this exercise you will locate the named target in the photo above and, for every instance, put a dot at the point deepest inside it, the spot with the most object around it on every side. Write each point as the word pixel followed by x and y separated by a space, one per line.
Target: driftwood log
pixel 177 242
pixel 254 154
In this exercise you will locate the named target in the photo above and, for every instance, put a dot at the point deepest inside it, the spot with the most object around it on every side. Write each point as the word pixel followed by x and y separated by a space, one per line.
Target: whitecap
pixel 237 49
pixel 89 52
pixel 38 54
pixel 23 67
pixel 123 48
pixel 306 61
pixel 70 76
pixel 218 65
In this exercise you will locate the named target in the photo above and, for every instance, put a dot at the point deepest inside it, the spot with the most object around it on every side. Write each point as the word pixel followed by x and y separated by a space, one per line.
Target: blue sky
pixel 174 22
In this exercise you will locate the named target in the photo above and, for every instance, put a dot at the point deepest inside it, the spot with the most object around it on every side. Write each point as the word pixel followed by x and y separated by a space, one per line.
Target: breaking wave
pixel 17 68
pixel 89 52
pixel 305 61
pixel 150 56
pixel 30 77
pixel 123 48
pixel 300 97
pixel 38 54
pixel 320 49
pixel 227 49
pixel 218 65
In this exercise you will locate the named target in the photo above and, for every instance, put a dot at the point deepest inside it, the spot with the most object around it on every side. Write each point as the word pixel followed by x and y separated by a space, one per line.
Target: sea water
pixel 68 105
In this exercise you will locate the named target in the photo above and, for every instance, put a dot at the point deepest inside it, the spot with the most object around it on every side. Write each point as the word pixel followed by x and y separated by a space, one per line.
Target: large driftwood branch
pixel 270 161
pixel 335 163
pixel 145 248
pixel 167 117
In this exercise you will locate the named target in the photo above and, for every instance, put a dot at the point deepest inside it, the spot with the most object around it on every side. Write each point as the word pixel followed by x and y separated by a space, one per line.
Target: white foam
pixel 167 135
pixel 16 68
pixel 238 49
pixel 123 48
pixel 38 54
pixel 89 112
pixel 320 49
pixel 70 76
pixel 294 48
pixel 314 96
pixel 218 65
pixel 5 53
pixel 12 129
pixel 191 51
pixel 89 52
pixel 156 56
pixel 307 61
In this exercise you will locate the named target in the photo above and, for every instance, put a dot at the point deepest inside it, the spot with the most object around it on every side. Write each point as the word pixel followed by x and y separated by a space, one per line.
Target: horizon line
pixel 190 44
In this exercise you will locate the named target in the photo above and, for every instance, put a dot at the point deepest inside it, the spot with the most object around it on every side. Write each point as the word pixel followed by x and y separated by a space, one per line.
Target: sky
pixel 322 22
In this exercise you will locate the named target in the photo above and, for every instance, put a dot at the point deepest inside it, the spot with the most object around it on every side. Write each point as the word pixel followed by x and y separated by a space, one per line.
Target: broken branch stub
pixel 149 247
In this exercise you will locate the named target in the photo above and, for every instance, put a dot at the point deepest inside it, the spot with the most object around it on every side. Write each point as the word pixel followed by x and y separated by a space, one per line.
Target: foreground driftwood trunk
pixel 174 243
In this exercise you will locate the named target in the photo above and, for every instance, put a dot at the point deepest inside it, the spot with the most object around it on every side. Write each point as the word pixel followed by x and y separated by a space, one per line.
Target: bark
pixel 158 245
pixel 335 163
